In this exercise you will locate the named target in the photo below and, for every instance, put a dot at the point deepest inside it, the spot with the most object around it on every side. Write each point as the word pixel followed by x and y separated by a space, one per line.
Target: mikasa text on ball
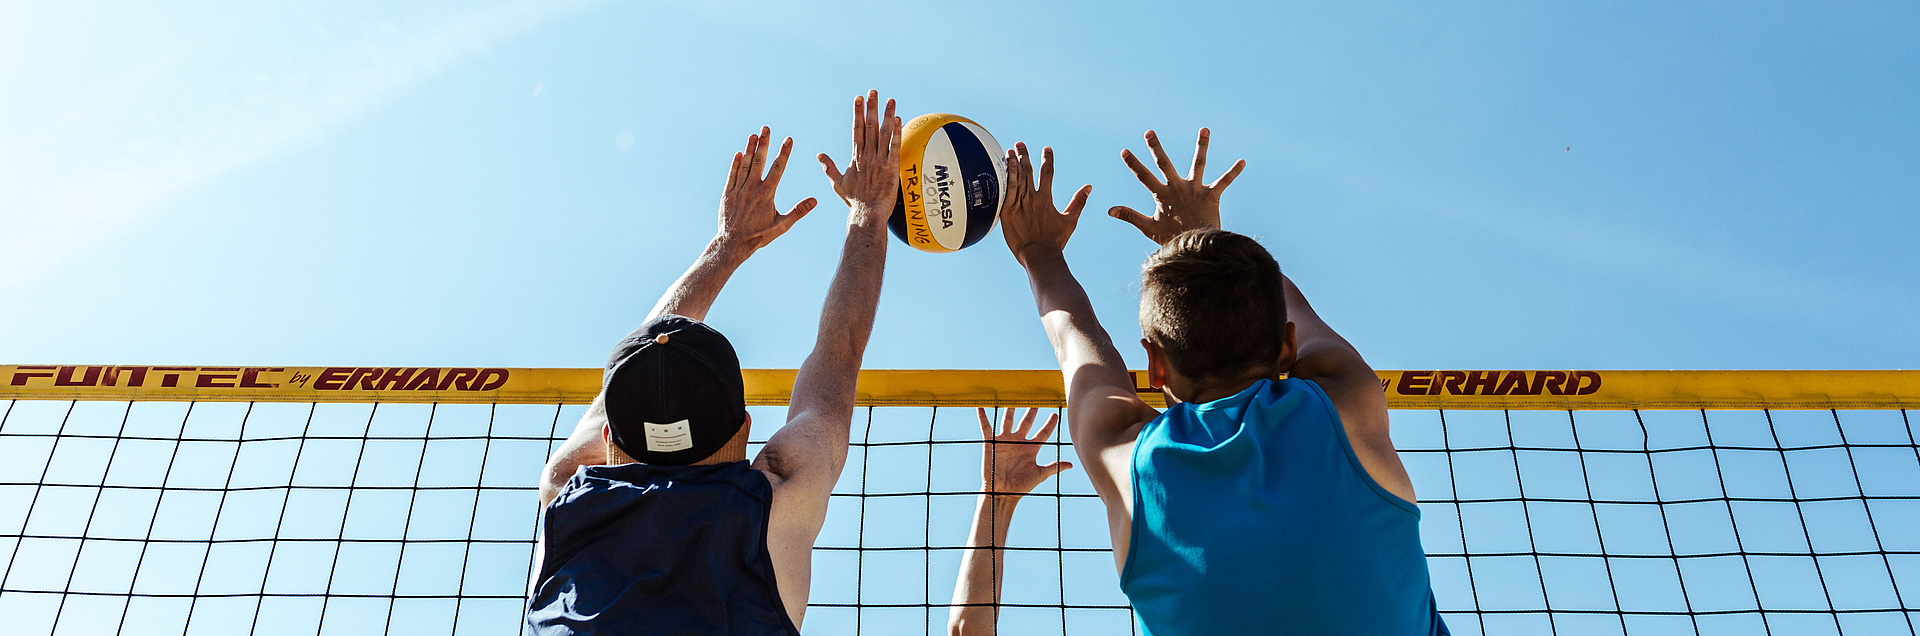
pixel 950 176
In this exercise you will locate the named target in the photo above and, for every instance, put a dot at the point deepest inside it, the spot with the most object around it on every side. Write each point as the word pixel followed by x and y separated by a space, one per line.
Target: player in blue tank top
pixel 653 521
pixel 1268 498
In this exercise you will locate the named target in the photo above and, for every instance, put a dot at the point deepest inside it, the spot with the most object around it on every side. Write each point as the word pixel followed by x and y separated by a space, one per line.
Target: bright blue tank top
pixel 1252 515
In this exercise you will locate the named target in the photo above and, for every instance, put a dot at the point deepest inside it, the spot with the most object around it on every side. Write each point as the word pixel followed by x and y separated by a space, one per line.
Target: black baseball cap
pixel 674 392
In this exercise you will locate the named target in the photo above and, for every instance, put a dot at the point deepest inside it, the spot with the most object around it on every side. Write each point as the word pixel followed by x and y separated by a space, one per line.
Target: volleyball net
pixel 262 500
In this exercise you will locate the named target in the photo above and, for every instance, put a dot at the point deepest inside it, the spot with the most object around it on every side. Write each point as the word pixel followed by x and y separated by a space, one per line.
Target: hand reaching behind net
pixel 1010 464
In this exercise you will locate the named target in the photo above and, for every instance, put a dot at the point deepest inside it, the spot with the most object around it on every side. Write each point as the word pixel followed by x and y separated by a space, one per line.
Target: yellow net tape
pixel 1420 389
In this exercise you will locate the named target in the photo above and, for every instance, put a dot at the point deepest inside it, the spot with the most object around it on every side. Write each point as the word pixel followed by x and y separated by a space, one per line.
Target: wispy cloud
pixel 92 142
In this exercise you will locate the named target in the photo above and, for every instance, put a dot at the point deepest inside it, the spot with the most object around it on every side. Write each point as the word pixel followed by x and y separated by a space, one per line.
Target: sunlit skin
pixel 1009 469
pixel 1103 412
pixel 804 458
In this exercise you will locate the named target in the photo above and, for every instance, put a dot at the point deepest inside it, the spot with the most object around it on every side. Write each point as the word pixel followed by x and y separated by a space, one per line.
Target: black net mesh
pixel 231 518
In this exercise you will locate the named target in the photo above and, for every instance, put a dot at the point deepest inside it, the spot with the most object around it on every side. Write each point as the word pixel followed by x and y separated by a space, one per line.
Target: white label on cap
pixel 666 438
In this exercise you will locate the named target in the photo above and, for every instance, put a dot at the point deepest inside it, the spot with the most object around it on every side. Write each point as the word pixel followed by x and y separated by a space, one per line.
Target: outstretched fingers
pixel 1046 430
pixel 889 134
pixel 827 166
pixel 871 122
pixel 759 153
pixel 1046 169
pixel 1079 201
pixel 1026 166
pixel 860 143
pixel 1160 157
pixel 986 423
pixel 1133 217
pixel 1141 172
pixel 799 211
pixel 1227 179
pixel 733 172
pixel 1026 422
pixel 1200 156
pixel 779 166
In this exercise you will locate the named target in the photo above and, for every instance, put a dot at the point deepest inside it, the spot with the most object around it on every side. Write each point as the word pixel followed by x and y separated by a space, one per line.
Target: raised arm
pixel 1187 203
pixel 1179 203
pixel 1330 361
pixel 1008 470
pixel 803 459
pixel 748 222
pixel 806 455
pixel 1103 411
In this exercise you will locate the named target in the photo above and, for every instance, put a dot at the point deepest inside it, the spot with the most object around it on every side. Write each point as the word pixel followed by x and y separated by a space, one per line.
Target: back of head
pixel 1214 302
pixel 674 393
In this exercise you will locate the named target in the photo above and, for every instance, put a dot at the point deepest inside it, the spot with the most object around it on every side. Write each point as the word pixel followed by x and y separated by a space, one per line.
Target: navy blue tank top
pixel 667 550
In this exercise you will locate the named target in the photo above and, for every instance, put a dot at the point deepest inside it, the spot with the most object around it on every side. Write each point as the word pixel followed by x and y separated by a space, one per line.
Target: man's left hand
pixel 1181 203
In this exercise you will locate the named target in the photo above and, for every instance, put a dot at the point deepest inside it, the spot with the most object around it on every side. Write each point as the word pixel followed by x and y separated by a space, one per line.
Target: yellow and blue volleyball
pixel 951 173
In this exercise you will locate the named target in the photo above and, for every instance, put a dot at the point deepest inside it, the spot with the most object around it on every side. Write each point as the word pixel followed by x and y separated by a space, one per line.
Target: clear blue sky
pixel 502 183
pixel 446 183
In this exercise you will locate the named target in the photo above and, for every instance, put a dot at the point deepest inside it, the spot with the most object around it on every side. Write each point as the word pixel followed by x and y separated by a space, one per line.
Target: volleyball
pixel 950 175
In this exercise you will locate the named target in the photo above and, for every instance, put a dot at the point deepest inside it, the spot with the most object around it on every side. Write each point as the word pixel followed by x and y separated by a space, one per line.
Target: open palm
pixel 1010 464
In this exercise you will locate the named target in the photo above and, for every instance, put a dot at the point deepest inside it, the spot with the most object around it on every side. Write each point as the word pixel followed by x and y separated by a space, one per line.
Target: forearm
pixel 584 447
pixel 694 292
pixel 825 383
pixel 976 595
pixel 1085 352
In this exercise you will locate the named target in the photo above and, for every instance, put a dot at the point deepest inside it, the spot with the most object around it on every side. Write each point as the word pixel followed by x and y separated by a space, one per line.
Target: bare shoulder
pixel 794 518
pixel 1104 431
pixel 796 496
pixel 1362 407
pixel 1104 440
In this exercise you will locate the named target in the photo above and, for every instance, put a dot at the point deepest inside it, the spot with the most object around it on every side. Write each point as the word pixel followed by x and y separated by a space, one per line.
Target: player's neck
pixel 724 456
pixel 1183 390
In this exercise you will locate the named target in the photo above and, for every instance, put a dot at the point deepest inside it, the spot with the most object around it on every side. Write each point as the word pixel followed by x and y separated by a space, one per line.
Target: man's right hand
pixel 1009 465
pixel 748 217
pixel 1028 219
pixel 1180 204
pixel 871 184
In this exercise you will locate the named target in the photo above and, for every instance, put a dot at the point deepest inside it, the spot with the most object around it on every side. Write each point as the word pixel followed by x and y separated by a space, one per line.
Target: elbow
pixel 553 480
pixel 965 625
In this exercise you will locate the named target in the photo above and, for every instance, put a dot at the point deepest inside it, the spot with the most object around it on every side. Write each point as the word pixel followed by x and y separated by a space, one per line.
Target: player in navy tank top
pixel 653 519
pixel 1268 499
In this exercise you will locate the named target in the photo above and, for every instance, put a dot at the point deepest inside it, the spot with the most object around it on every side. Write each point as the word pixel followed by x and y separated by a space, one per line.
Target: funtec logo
pixel 256 378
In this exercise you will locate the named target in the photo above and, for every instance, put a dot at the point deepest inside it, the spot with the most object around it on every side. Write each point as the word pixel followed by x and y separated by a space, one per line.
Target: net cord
pixel 1873 527
pixel 1586 484
pixel 406 525
pixel 7 574
pixel 367 438
pixel 152 519
pixel 346 511
pixel 213 529
pixel 1805 534
pixel 1526 517
pixel 1739 544
pixel 473 517
pixel 1460 517
pixel 1653 479
pixel 279 521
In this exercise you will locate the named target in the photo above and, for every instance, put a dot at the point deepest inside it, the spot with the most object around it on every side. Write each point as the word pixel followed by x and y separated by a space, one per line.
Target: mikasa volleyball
pixel 950 176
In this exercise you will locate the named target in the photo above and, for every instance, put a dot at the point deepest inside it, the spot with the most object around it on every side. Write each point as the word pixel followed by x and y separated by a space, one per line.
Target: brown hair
pixel 1214 302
